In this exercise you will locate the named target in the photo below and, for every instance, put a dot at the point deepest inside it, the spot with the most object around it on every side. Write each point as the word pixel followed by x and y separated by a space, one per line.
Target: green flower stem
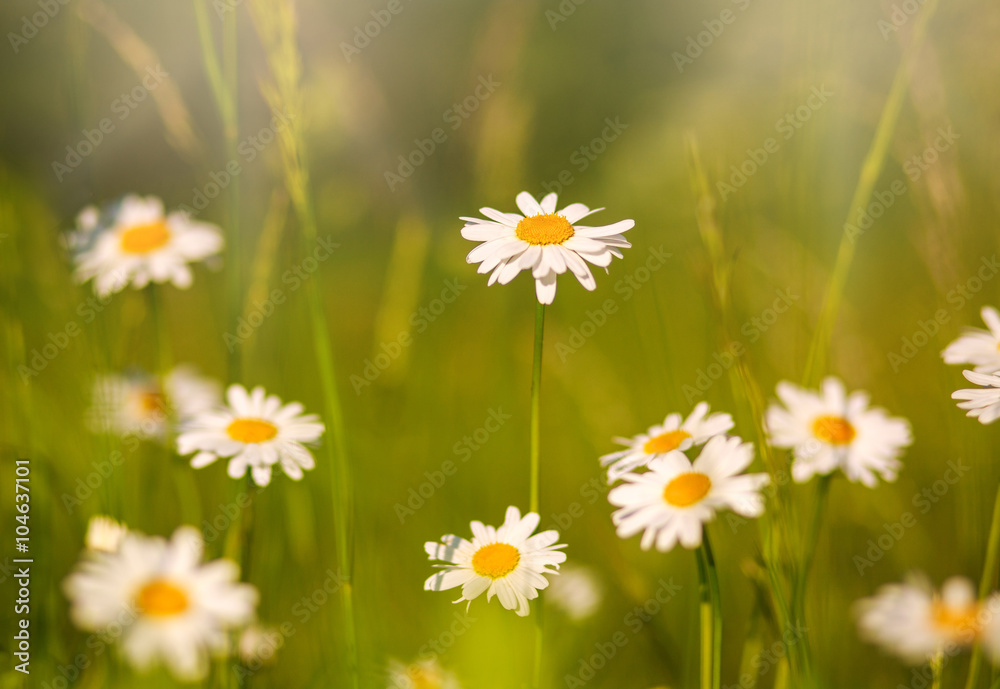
pixel 536 382
pixel 986 584
pixel 711 616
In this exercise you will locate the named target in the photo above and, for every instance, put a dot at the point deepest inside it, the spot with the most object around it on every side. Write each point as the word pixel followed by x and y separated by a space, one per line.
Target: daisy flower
pixel 675 433
pixel 978 347
pixel 136 404
pixel 577 591
pixel 545 241
pixel 670 502
pixel 134 241
pixel 104 534
pixel 166 603
pixel 982 403
pixel 829 430
pixel 916 623
pixel 507 562
pixel 255 431
pixel 425 674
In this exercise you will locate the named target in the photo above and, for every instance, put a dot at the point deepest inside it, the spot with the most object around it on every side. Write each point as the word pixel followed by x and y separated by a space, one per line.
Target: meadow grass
pixel 338 556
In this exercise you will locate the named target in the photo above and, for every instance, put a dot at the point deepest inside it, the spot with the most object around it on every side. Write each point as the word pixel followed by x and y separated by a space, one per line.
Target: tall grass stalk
pixel 535 467
pixel 871 168
pixel 275 23
pixel 223 80
pixel 986 584
pixel 711 616
pixel 775 525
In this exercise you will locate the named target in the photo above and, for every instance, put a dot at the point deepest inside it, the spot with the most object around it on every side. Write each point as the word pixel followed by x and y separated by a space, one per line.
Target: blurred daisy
pixel 136 404
pixel 675 433
pixel 134 241
pixel 978 347
pixel 507 562
pixel 255 431
pixel 426 674
pixel 545 241
pixel 576 591
pixel 915 623
pixel 258 645
pixel 982 403
pixel 167 604
pixel 831 430
pixel 670 502
pixel 104 534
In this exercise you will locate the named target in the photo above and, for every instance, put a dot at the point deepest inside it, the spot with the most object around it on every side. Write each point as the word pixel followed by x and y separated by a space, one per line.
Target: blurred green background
pixel 561 70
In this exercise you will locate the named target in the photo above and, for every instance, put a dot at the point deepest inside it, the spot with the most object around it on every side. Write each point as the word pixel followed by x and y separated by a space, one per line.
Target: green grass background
pixel 398 249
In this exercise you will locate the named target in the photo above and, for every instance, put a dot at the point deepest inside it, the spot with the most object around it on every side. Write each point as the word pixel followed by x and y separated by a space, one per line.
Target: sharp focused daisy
pixel 675 433
pixel 256 431
pixel 916 623
pixel 545 241
pixel 507 562
pixel 978 347
pixel 134 241
pixel 981 403
pixel 831 430
pixel 425 674
pixel 104 534
pixel 167 604
pixel 136 403
pixel 670 502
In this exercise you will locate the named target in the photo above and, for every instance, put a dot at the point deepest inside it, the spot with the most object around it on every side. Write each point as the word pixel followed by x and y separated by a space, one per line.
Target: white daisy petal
pixel 830 430
pixel 508 563
pixel 257 431
pixel 160 601
pixel 542 241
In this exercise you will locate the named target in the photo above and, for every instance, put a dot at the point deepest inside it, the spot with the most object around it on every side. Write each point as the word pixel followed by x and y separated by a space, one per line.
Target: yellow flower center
pixel 421 678
pixel 142 239
pixel 687 489
pixel 495 560
pixel 835 430
pixel 959 622
pixel 665 442
pixel 544 229
pixel 251 430
pixel 153 402
pixel 160 598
